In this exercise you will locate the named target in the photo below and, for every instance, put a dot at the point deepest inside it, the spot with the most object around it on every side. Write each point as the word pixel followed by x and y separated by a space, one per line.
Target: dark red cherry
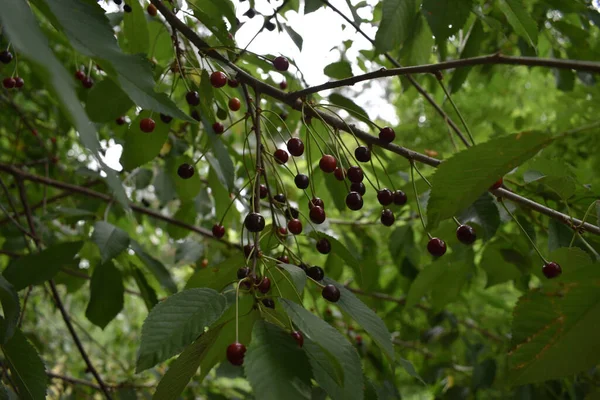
pixel 385 197
pixel 331 293
pixel 8 83
pixel 362 154
pixel 355 174
pixel 466 234
pixel 248 250
pixel 166 118
pixel 354 201
pixel 120 121
pixel 127 8
pixel 79 75
pixel 281 63
pixel 301 181
pixel 196 115
pixel 358 187
pixel 5 57
pixel 295 226
pixel 269 303
pixel 282 231
pixel 323 246
pixel 387 134
pixel 316 201
pixel 193 98
pixel 340 173
pixel 233 83
pixel 436 247
pixel 152 11
pixel 387 217
pixel 284 259
pixel 263 192
pixel 19 82
pixel 291 213
pixel 328 163
pixel 283 85
pixel 87 82
pixel 254 222
pixel 234 104
pixel 400 198
pixel 279 198
pixel 551 270
pixel 218 128
pixel 265 285
pixel 185 171
pixel 147 125
pixel 243 272
pixel 316 273
pixel 295 146
pixel 218 79
pixel 298 337
pixel 317 215
pixel 497 184
pixel 281 156
pixel 218 231
pixel 235 353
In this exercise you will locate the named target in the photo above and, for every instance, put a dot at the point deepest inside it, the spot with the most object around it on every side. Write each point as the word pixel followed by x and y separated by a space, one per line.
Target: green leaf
pixel 296 38
pixel 211 12
pixel 148 293
pixel 143 178
pixel 556 334
pixel 187 189
pixel 186 213
pixel 141 147
pixel 446 17
pixel 175 322
pixel 396 24
pixel 341 251
pixel 418 46
pixel 520 20
pixel 218 276
pixel 462 179
pixel 484 213
pixel 327 370
pixel 365 317
pixel 86 26
pixel 11 309
pixel 297 274
pixel 275 365
pixel 470 49
pixel 184 368
pixel 410 369
pixel 111 241
pixel 334 343
pixel 350 106
pixel 37 268
pixel 107 101
pixel 27 368
pixel 225 170
pixel 107 295
pixel 496 268
pixel 188 252
pixel 338 70
pixel 21 27
pixel 312 6
pixel 135 29
pixel 155 267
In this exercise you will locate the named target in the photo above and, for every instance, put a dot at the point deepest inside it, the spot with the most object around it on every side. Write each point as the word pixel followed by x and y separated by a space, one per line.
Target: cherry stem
pixel 457 111
pixel 522 230
pixel 237 311
pixel 233 201
pixel 414 184
pixel 576 228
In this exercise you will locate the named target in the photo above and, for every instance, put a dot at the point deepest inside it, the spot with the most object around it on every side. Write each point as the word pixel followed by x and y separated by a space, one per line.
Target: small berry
pixel 358 339
pixel 19 82
pixel 166 118
pixel 243 272
pixel 265 285
pixel 284 259
pixel 254 222
pixel 340 173
pixel 497 184
pixel 5 57
pixel 185 171
pixel 204 263
pixel 218 128
pixel 551 270
pixel 195 114
pixel 316 202
pixel 328 163
pixel 316 273
pixel 317 215
pixel 354 201
pixel 152 10
pixel 269 303
pixel 147 125
pixel 400 198
pixel 385 196
pixel 282 231
pixel 301 181
pixel 281 156
pixel 279 198
pixel 281 63
pixel 362 154
pixel 53 140
pixel 250 13
pixel 218 79
pixel 235 353
pixel 87 82
pixel 298 337
pixel 283 85
pixel 127 8
pixel 295 146
pixel 233 83
pixel 331 293
pixel 248 250
pixel 295 226
pixel 263 192
pixel 323 246
pixel 387 134
pixel 387 217
pixel 218 231
pixel 466 234
pixel 120 121
pixel 358 187
pixel 355 174
pixel 79 75
pixel 192 97
pixel 8 83
pixel 291 213
pixel 436 247
pixel 118 2
pixel 303 267
pixel 234 104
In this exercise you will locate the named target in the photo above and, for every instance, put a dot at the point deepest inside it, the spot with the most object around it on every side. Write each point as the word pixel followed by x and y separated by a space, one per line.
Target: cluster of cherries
pixel 10 82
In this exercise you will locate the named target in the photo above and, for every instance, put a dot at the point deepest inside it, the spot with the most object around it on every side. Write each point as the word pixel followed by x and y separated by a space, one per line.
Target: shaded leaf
pixel 297 274
pixel 148 293
pixel 446 17
pixel 107 101
pixel 218 276
pixel 350 106
pixel 11 309
pixel 520 20
pixel 155 267
pixel 111 241
pixel 135 29
pixel 338 70
pixel 397 18
pixel 484 213
pixel 296 38
pixel 106 295
pixel 141 147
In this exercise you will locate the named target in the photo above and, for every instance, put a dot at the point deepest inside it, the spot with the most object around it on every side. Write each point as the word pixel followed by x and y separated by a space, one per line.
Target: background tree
pixel 265 238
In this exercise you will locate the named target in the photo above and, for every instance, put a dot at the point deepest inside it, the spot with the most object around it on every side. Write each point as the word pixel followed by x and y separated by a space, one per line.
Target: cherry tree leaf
pixel 446 17
pixel 107 295
pixel 135 28
pixel 297 274
pixel 517 16
pixel 160 272
pixel 111 241
pixel 396 24
pixel 141 147
pixel 11 309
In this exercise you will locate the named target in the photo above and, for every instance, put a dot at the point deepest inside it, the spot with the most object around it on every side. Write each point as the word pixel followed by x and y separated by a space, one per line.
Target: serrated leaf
pixel 418 47
pixel 410 369
pixel 141 147
pixel 338 70
pixel 27 368
pixel 147 292
pixel 296 38
pixel 37 268
pixel 446 17
pixel 520 20
pixel 111 241
pixel 341 251
pixel 184 368
pixel 107 295
pixel 470 49
pixel 397 18
pixel 330 341
pixel 135 29
pixel 175 322
pixel 297 274
pixel 275 365
pixel 157 268
pixel 10 308
pixel 556 334
pixel 463 178
pixel 484 213
pixel 365 317
pixel 350 106
pixel 107 101
pixel 216 276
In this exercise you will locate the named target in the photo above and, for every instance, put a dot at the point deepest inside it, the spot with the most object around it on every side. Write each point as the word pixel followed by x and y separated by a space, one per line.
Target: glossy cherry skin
pixel 400 198
pixel 295 146
pixel 331 293
pixel 317 215
pixel 243 272
pixel 147 125
pixel 295 226
pixel 362 154
pixel 466 234
pixel 185 171
pixel 235 353
pixel 358 187
pixel 387 217
pixel 387 134
pixel 218 231
pixel 551 270
pixel 298 337
pixel 436 247
pixel 281 63
pixel 166 118
pixel 340 173
pixel 265 285
pixel 385 197
pixel 218 79
pixel 254 222
pixel 281 156
pixel 355 174
pixel 269 303
pixel 192 98
pixel 328 163
pixel 323 246
pixel 354 201
pixel 301 181
pixel 218 128
pixel 316 273
pixel 234 104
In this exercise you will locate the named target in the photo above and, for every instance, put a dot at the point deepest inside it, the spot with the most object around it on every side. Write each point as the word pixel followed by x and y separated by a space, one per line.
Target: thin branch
pixel 77 381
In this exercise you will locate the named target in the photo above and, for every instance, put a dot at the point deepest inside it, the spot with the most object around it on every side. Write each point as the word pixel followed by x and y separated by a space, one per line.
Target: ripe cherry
pixel 281 156
pixel 234 104
pixel 295 226
pixel 120 121
pixel 295 146
pixel 291 213
pixel 466 234
pixel 316 201
pixel 185 171
pixel 354 201
pixel 263 192
pixel 235 353
pixel 265 285
pixel 362 154
pixel 152 10
pixel 281 63
pixel 8 83
pixel 192 97
pixel 298 337
pixel 218 128
pixel 283 85
pixel 79 75
pixel 248 250
pixel 301 181
pixel 551 270
pixel 331 293
pixel 19 82
pixel 87 82
pixel 284 259
pixel 195 114
pixel 387 134
pixel 328 163
pixel 282 231
pixel 385 196
pixel 218 79
pixel 323 246
pixel 147 125
pixel 317 215
pixel 355 174
pixel 166 118
pixel 400 198
pixel 269 303
pixel 436 247
pixel 387 217
pixel 243 272
pixel 316 273
pixel 279 198
pixel 303 267
pixel 340 173
pixel 233 83
pixel 358 187
pixel 218 231
pixel 127 8
pixel 254 222
pixel 5 57
pixel 497 184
